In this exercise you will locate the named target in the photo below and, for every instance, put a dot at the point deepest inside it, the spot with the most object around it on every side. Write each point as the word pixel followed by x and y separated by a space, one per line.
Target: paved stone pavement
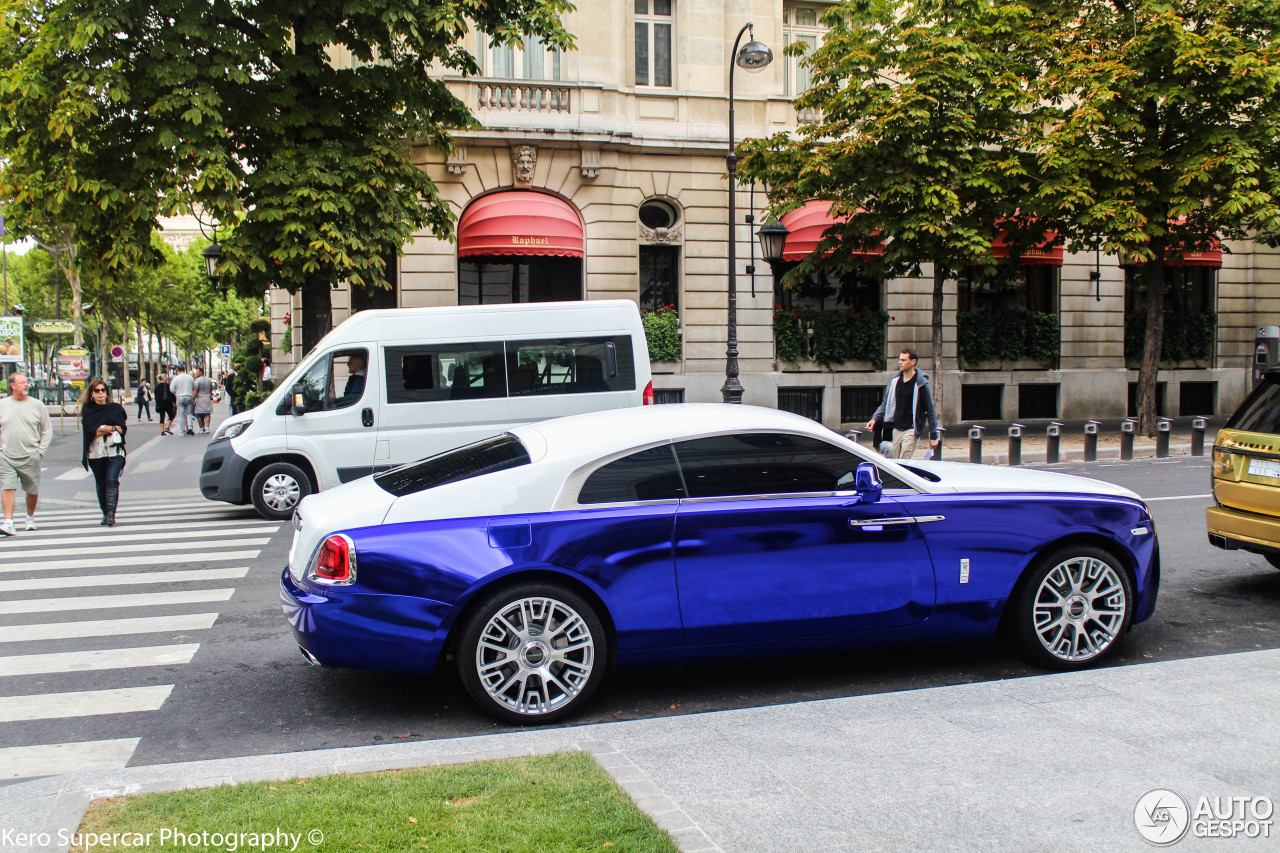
pixel 1047 763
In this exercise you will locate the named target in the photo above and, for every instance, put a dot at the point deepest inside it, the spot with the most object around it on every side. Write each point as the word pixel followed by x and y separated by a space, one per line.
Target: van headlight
pixel 227 431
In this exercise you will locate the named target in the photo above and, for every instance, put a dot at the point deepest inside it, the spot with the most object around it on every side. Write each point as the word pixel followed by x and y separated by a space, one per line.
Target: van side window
pixel 334 382
pixel 429 373
pixel 577 365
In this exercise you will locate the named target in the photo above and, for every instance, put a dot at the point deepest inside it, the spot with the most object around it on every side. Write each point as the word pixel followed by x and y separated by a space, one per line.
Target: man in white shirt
pixel 25 434
pixel 184 390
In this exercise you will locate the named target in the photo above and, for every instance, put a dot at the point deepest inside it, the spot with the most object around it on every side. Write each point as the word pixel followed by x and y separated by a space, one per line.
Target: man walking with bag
pixel 184 389
pixel 25 434
pixel 906 408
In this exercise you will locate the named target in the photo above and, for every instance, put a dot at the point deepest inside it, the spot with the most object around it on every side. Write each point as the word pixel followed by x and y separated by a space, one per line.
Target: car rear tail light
pixel 336 561
pixel 648 393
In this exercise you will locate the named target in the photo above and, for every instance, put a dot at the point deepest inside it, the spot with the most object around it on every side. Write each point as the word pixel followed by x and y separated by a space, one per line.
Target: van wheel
pixel 532 654
pixel 278 489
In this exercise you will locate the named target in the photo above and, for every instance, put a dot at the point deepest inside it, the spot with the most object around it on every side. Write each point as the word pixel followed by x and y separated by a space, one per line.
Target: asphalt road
pixel 248 691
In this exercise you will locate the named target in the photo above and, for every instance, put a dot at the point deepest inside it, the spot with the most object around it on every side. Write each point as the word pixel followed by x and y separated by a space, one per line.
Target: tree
pixel 241 109
pixel 1157 128
pixel 915 101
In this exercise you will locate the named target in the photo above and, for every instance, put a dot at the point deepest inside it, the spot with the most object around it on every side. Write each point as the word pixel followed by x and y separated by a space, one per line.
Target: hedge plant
pixel 662 332
pixel 1187 337
pixel 829 338
pixel 1008 336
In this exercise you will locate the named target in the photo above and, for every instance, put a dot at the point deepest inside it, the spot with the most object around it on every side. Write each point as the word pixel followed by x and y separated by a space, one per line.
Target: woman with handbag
pixel 166 404
pixel 143 398
pixel 104 424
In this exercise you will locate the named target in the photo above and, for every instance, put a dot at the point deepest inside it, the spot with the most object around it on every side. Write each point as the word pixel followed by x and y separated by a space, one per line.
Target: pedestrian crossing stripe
pixel 127 579
pixel 20 762
pixel 106 627
pixel 38 553
pixel 182 531
pixel 140 560
pixel 98 659
pixel 83 703
pixel 107 602
pixel 201 510
pixel 126 525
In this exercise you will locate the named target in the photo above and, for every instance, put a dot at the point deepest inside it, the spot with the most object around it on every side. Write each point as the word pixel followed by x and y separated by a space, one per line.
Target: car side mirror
pixel 866 482
pixel 299 402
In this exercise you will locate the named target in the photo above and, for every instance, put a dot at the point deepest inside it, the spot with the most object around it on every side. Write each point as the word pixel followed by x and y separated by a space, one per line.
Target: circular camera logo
pixel 1162 817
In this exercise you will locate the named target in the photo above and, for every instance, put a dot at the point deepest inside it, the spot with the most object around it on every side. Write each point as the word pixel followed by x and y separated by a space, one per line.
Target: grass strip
pixel 538 804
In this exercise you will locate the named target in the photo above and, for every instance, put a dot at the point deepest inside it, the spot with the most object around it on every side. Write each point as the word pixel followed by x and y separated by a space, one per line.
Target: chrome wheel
pixel 1080 608
pixel 281 493
pixel 535 655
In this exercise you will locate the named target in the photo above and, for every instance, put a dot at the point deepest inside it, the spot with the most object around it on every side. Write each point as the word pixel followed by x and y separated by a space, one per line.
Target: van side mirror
pixel 866 482
pixel 299 407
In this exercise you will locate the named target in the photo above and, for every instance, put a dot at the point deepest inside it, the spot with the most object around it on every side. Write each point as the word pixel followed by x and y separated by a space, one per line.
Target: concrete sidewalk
pixel 1053 762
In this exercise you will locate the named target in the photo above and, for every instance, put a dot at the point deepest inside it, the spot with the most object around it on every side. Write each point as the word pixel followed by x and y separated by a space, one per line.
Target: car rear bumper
pixel 361 630
pixel 1232 530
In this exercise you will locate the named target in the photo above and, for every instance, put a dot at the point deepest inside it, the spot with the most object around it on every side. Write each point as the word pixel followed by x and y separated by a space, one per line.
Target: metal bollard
pixel 1127 430
pixel 1091 441
pixel 975 443
pixel 1051 452
pixel 1162 438
pixel 1015 444
pixel 1198 425
pixel 942 439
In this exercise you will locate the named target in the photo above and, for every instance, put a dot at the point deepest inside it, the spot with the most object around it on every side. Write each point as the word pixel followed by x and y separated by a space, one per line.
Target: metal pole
pixel 1126 438
pixel 1015 444
pixel 975 443
pixel 1162 438
pixel 731 392
pixel 1198 425
pixel 1091 441
pixel 1051 454
pixel 942 439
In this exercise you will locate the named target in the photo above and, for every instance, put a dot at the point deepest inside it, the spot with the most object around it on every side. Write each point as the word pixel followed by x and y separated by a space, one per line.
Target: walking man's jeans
pixel 145 404
pixel 106 471
pixel 186 414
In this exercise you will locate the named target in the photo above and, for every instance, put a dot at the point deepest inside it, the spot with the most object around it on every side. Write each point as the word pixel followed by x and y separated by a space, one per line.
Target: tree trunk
pixel 317 313
pixel 1149 371
pixel 935 381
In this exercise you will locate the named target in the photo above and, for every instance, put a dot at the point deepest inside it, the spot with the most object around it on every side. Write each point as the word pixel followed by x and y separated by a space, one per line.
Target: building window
pixel 491 280
pixel 1187 290
pixel 659 277
pixel 531 61
pixel 800 24
pixel 653 42
pixel 855 290
pixel 1028 287
pixel 364 298
pixel 1190 318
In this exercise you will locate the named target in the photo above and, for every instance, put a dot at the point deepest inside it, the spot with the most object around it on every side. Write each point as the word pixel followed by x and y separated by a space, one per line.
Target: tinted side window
pixel 650 475
pixel 763 463
pixel 335 381
pixel 1261 412
pixel 420 374
pixel 571 365
pixel 483 457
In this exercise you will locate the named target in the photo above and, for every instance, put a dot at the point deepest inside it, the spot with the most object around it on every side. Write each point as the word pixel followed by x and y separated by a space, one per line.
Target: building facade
pixel 600 173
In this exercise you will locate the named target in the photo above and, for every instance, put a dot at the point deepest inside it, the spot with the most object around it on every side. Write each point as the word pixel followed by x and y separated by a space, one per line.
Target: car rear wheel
pixel 1073 608
pixel 532 654
pixel 278 489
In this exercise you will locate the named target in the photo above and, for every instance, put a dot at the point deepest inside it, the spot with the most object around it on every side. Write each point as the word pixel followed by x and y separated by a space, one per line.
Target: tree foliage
pixel 118 111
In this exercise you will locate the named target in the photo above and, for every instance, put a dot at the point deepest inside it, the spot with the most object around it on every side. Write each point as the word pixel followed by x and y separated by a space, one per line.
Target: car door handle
pixel 366 417
pixel 905 519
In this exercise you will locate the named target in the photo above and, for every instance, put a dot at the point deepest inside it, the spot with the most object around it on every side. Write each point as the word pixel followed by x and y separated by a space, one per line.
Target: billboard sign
pixel 11 344
pixel 73 367
pixel 54 327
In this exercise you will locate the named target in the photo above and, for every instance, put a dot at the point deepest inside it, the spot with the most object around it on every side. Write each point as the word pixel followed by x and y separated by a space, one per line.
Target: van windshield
pixel 483 457
pixel 1261 412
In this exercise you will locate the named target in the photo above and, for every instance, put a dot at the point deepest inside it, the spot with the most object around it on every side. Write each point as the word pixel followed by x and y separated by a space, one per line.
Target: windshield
pixel 484 457
pixel 1261 412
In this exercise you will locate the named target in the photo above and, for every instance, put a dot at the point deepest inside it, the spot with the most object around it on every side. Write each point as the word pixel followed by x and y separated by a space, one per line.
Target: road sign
pixel 226 349
pixel 54 327
pixel 73 351
pixel 117 352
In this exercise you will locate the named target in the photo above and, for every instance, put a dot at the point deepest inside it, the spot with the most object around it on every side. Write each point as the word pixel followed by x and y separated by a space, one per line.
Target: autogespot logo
pixel 1162 817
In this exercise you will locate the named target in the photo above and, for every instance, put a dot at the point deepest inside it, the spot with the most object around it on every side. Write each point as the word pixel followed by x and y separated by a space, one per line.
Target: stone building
pixel 601 173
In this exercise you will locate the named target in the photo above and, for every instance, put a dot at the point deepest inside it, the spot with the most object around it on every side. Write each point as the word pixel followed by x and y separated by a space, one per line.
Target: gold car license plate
pixel 1265 467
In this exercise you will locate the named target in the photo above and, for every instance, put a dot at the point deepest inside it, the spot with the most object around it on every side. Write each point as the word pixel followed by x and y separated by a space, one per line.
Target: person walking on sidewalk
pixel 203 399
pixel 165 404
pixel 184 391
pixel 143 398
pixel 104 424
pixel 25 434
pixel 907 407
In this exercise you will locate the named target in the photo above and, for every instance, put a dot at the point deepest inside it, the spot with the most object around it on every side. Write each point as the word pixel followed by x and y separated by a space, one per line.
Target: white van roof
pixel 486 321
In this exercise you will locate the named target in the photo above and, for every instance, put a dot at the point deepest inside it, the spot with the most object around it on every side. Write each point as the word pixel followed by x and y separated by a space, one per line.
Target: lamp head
pixel 19 309
pixel 773 239
pixel 753 55
pixel 212 256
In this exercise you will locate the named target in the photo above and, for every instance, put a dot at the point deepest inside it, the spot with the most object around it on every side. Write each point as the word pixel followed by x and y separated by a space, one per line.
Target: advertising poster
pixel 73 367
pixel 11 340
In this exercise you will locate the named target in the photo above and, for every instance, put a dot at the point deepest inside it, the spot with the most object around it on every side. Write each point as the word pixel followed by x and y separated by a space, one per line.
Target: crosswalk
pixel 126 601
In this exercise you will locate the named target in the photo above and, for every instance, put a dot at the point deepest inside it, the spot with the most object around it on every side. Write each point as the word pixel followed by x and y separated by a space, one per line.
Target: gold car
pixel 1246 476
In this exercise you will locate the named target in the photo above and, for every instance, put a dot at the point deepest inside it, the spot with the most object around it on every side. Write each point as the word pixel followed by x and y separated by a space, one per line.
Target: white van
pixel 388 387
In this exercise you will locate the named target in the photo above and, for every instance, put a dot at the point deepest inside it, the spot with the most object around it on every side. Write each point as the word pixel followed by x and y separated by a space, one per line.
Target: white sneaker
pixel 6 527
pixel 31 523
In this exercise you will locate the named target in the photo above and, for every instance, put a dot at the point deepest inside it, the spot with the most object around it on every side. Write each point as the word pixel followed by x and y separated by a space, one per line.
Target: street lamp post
pixel 753 56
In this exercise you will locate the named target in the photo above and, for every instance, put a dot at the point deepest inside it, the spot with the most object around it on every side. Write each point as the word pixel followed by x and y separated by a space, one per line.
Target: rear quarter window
pixel 1261 411
pixel 499 453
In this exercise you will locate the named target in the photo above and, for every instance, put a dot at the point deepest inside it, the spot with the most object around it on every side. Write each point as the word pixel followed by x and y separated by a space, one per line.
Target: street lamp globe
pixel 754 55
pixel 212 256
pixel 773 240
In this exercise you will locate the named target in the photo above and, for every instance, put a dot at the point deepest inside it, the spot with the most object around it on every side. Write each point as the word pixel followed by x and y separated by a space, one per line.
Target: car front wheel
pixel 532 654
pixel 1073 608
pixel 278 489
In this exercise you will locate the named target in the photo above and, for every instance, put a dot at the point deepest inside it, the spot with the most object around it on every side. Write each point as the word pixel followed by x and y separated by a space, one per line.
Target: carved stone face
pixel 524 158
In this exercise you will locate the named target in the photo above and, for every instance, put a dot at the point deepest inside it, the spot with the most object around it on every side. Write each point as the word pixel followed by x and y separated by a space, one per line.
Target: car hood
pixel 967 477
pixel 360 503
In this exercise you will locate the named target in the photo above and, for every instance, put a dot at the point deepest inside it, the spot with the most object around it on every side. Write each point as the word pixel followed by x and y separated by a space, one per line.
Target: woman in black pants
pixel 166 404
pixel 104 424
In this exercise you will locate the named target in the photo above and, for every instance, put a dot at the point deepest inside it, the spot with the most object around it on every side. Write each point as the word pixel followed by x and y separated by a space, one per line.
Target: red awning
pixel 807 225
pixel 520 222
pixel 1045 253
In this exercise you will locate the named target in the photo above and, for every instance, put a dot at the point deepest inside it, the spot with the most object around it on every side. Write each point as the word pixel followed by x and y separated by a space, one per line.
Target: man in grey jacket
pixel 184 389
pixel 907 407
